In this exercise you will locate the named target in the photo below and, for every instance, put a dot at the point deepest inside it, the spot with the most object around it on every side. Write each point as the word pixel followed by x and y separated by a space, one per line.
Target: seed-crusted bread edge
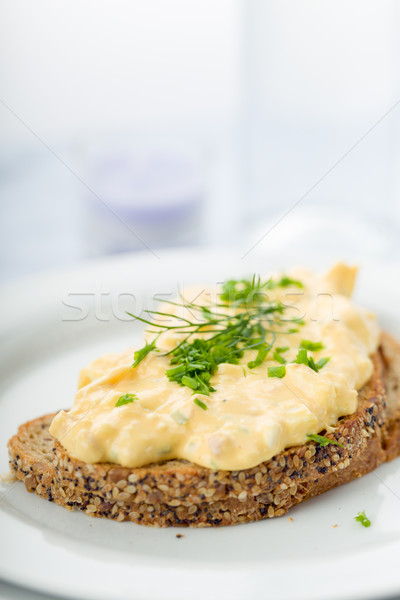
pixel 179 493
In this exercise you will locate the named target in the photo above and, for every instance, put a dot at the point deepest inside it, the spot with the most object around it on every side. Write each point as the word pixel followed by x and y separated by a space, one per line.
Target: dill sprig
pixel 253 324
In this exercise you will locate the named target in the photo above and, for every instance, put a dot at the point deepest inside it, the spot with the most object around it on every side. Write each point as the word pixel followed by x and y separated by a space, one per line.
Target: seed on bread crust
pixel 179 493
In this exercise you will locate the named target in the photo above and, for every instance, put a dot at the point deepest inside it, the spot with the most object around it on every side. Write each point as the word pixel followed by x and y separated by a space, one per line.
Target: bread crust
pixel 179 493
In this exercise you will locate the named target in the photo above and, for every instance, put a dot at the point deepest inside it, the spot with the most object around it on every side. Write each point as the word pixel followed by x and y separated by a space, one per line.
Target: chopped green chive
pixel 254 325
pixel 276 356
pixel 363 519
pixel 190 382
pixel 126 399
pixel 313 346
pixel 175 372
pixel 200 404
pixel 277 372
pixel 249 291
pixel 302 358
pixel 322 440
pixel 143 352
pixel 261 356
pixel 312 365
pixel 322 362
pixel 286 281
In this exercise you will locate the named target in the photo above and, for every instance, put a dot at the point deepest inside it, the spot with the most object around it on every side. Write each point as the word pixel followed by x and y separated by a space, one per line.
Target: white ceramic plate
pixel 51 326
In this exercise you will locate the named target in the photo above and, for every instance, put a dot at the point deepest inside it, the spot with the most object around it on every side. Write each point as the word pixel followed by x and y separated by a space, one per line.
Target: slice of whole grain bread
pixel 180 493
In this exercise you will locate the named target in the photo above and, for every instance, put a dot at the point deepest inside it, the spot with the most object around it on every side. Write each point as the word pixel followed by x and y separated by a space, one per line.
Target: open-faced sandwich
pixel 244 400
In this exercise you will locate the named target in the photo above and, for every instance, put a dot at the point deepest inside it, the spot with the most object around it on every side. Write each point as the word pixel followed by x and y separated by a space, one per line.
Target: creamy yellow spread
pixel 250 417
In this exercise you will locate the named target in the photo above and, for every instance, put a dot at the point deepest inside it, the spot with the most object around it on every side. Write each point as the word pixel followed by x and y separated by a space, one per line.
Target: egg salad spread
pixel 229 379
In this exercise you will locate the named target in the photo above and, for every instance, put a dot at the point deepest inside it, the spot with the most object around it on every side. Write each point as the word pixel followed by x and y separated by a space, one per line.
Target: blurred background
pixel 261 125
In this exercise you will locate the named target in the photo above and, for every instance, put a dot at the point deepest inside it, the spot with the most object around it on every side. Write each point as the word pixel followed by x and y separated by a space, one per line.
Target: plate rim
pixel 53 277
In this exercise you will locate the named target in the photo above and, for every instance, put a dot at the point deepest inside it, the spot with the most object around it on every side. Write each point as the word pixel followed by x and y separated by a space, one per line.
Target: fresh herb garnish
pixel 261 356
pixel 277 372
pixel 244 320
pixel 200 404
pixel 190 382
pixel 126 399
pixel 322 441
pixel 143 352
pixel 302 358
pixel 313 346
pixel 322 362
pixel 363 519
pixel 312 365
pixel 245 291
pixel 278 357
pixel 286 281
pixel 252 291
pixel 196 362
